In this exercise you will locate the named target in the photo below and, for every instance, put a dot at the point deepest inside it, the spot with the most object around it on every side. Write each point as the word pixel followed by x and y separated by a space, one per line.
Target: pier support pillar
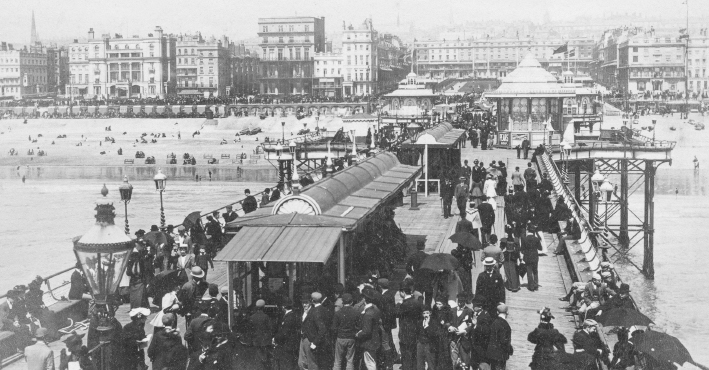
pixel 591 195
pixel 649 223
pixel 577 183
pixel 623 239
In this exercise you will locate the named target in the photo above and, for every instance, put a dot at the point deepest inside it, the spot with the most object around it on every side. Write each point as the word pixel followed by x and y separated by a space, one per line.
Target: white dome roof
pixel 411 74
pixel 529 71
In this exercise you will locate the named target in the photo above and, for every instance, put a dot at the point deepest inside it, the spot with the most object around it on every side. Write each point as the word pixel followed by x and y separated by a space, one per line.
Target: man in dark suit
pixel 447 190
pixel 487 218
pixel 261 333
pixel 588 341
pixel 166 350
pixel 456 331
pixel 490 285
pixel 229 215
pixel 388 319
pixel 314 329
pixel 132 336
pixel 368 337
pixel 420 276
pixel 249 204
pixel 409 313
pixel 78 285
pixel 461 194
pixel 499 348
pixel 287 338
pixel 479 332
pixel 525 147
pixel 531 245
pixel 139 270
pixel 191 293
pixel 427 338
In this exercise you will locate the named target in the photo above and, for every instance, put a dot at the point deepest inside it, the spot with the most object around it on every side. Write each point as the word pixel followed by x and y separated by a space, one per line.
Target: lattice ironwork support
pixel 623 239
pixel 649 240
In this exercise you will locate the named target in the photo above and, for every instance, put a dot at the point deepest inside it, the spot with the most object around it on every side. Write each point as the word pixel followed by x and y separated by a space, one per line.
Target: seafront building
pixel 496 57
pixel 288 45
pixel 121 67
pixel 23 72
pixel 203 66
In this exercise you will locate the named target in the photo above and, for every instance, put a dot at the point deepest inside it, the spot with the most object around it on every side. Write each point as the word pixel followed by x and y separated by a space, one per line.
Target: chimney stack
pixel 91 33
pixel 158 32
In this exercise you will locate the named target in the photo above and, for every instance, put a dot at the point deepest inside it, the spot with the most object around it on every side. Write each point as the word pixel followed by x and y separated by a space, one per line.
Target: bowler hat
pixel 624 288
pixel 346 298
pixel 260 303
pixel 383 283
pixel 197 272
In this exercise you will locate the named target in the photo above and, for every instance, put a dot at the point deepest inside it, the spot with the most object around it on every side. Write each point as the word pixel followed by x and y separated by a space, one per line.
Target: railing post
pixel 623 239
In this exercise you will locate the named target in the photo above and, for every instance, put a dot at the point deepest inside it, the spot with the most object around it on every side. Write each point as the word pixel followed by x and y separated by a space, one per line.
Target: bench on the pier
pixel 128 161
pixel 74 309
pixel 226 156
pixel 8 345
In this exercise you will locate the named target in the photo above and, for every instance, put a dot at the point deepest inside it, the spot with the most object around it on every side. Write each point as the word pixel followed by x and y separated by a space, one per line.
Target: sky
pixel 69 19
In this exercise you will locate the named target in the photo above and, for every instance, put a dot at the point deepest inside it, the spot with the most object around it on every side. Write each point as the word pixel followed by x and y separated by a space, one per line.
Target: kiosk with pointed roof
pixel 532 104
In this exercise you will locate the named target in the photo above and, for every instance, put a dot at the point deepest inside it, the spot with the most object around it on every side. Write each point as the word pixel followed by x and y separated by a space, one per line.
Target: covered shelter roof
pixel 305 227
pixel 441 135
pixel 530 79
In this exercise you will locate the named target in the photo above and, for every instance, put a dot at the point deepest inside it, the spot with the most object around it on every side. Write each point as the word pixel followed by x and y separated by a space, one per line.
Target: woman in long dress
pixel 489 190
pixel 169 303
pixel 511 256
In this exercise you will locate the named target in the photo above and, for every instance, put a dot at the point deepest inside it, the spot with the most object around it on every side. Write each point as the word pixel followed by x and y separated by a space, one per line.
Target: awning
pixel 442 135
pixel 281 244
pixel 189 92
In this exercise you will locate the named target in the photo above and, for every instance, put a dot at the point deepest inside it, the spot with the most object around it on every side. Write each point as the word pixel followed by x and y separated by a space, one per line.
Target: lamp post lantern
pixel 160 182
pixel 103 254
pixel 126 191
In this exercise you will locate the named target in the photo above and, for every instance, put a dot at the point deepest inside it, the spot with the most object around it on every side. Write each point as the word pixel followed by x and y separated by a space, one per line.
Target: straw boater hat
pixel 489 261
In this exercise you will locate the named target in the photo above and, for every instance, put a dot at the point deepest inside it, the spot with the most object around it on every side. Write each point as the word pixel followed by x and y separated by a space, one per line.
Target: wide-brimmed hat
pixel 197 272
pixel 489 261
pixel 545 314
pixel 589 322
pixel 461 178
pixel 139 312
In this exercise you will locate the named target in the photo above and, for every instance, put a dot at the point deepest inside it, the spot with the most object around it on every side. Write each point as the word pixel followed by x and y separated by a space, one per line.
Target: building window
pixel 307 28
pixel 201 69
pixel 291 28
pixel 635 59
pixel 265 28
pixel 280 39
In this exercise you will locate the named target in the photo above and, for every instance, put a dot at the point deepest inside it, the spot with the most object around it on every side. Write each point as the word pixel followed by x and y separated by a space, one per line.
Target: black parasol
pixel 440 261
pixel 661 346
pixel 622 316
pixel 467 240
pixel 164 282
pixel 191 219
pixel 155 238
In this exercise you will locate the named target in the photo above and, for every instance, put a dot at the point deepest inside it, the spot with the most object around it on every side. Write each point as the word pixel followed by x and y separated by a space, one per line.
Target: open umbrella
pixel 467 240
pixel 164 282
pixel 622 316
pixel 191 219
pixel 661 346
pixel 440 261
pixel 155 238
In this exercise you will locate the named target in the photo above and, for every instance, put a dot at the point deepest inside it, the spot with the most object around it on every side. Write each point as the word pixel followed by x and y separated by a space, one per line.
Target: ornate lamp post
pixel 295 179
pixel 412 129
pixel 566 149
pixel 103 254
pixel 281 175
pixel 283 131
pixel 160 182
pixel 126 191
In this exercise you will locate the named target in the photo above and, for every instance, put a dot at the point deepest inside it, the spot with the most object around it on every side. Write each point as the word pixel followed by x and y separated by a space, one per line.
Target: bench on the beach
pixel 253 161
pixel 207 156
pixel 226 156
pixel 255 157
pixel 128 161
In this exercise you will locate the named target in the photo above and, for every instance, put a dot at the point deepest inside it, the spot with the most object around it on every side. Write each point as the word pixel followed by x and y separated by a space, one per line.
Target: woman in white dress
pixel 170 303
pixel 489 190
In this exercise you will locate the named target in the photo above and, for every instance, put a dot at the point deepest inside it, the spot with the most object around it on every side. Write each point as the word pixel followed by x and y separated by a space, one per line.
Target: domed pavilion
pixel 533 104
